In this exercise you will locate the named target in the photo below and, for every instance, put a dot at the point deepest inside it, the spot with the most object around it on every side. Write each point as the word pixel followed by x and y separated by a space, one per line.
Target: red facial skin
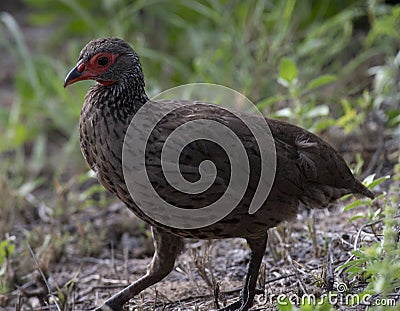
pixel 97 65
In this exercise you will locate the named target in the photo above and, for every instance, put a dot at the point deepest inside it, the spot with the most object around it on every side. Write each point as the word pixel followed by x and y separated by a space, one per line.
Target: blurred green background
pixel 280 54
pixel 330 66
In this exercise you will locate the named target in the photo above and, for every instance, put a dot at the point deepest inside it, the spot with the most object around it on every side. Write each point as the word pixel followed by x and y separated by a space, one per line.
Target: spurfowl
pixel 308 170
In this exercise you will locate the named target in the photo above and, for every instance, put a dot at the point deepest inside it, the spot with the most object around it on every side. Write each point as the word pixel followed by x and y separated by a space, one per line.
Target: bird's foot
pixel 236 306
pixel 109 307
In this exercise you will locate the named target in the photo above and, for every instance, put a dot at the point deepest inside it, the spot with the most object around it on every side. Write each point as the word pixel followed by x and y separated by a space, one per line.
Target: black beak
pixel 73 76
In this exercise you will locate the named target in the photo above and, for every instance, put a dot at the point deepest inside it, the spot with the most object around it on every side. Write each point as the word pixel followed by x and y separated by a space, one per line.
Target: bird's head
pixel 108 61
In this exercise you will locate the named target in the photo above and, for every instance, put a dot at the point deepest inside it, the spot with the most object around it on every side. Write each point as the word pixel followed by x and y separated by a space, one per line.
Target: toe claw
pixel 105 307
pixel 235 306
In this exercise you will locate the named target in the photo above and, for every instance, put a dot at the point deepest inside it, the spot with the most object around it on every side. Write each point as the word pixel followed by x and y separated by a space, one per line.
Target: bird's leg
pixel 167 248
pixel 257 247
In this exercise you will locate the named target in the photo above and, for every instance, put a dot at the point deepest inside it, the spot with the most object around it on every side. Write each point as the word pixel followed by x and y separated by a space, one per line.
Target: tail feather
pixel 361 189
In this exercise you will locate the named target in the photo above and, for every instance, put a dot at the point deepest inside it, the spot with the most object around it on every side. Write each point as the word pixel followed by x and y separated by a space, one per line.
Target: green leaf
pixel 346 196
pixel 321 110
pixel 269 101
pixel 353 205
pixel 284 112
pixel 381 196
pixel 30 186
pixel 287 70
pixel 358 216
pixel 285 305
pixel 369 179
pixel 283 82
pixel 320 81
pixel 355 262
pixel 323 124
pixel 359 254
pixel 373 184
pixel 326 306
pixel 393 121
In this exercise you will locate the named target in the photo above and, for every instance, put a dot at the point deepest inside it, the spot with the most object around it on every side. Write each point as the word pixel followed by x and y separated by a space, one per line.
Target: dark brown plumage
pixel 309 171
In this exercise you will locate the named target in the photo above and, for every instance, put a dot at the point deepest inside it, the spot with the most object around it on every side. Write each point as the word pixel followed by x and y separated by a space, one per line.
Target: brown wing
pixel 325 175
pixel 307 167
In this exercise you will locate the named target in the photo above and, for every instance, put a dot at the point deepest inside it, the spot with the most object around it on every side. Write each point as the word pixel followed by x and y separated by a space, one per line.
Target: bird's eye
pixel 102 61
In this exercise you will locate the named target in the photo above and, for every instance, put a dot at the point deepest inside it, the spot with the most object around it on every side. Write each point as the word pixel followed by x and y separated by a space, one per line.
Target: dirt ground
pixel 301 257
